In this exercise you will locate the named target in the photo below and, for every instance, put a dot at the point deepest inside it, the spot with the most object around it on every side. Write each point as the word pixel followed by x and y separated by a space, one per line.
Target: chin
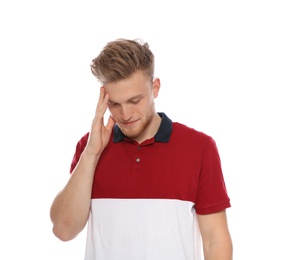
pixel 131 133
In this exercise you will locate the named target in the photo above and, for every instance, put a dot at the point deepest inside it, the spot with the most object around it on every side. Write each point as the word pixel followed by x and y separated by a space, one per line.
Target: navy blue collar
pixel 163 134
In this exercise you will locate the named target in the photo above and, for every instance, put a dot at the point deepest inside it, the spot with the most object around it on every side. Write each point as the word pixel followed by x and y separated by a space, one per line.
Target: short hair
pixel 121 58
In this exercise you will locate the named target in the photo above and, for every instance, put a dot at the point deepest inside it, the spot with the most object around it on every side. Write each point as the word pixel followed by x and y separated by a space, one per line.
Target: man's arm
pixel 70 209
pixel 217 243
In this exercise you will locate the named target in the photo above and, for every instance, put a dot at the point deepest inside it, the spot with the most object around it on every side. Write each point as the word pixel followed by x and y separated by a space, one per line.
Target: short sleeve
pixel 212 193
pixel 78 151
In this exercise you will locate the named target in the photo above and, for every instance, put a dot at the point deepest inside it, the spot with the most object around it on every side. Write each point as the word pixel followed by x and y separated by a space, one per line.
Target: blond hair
pixel 121 58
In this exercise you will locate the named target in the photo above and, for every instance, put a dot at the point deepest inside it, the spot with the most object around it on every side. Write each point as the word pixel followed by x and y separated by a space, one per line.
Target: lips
pixel 129 124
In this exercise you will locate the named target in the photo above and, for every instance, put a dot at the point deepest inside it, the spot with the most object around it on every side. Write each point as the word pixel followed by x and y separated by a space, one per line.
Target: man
pixel 149 188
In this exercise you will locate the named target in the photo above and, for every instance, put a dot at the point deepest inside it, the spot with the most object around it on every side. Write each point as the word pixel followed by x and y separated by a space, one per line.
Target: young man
pixel 149 188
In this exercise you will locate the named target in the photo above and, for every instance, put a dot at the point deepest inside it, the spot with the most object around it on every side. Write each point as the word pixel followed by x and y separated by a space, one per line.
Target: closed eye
pixel 134 101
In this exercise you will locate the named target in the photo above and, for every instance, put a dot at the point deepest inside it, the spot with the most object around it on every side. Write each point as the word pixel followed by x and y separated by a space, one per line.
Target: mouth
pixel 129 124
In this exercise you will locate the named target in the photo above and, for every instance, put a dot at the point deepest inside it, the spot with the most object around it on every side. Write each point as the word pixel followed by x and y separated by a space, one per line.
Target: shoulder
pixel 189 133
pixel 193 139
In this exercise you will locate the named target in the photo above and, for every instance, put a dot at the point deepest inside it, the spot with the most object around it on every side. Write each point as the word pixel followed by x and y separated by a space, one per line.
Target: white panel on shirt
pixel 142 229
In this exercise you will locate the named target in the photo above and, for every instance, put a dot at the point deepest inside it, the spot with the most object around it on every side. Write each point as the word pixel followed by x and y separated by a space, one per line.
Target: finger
pixel 102 103
pixel 101 96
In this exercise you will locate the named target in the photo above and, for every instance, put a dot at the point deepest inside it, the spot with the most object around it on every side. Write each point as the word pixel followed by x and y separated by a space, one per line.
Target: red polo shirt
pixel 177 163
pixel 145 197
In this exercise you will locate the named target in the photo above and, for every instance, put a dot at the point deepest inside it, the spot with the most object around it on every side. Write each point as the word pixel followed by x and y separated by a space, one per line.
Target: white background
pixel 222 66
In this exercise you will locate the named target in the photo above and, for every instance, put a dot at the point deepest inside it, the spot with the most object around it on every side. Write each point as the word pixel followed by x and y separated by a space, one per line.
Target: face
pixel 131 105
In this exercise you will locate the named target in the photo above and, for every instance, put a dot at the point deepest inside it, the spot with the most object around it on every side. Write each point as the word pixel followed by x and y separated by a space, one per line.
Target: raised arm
pixel 70 209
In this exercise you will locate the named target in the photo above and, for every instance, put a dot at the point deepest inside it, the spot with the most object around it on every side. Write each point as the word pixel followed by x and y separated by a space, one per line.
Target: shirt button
pixel 137 159
pixel 138 147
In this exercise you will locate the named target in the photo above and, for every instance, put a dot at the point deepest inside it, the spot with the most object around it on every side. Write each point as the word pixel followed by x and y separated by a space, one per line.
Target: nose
pixel 126 113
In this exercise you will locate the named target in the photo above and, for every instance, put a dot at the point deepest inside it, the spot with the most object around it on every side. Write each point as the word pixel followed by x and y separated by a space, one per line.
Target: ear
pixel 156 87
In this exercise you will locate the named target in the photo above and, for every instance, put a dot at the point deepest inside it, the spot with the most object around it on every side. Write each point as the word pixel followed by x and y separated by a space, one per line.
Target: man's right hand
pixel 100 134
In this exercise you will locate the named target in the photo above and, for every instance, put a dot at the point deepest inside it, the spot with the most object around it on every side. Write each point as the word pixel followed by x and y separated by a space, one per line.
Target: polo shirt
pixel 145 196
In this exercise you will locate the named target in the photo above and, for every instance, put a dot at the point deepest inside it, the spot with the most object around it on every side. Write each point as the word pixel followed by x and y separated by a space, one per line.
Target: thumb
pixel 110 123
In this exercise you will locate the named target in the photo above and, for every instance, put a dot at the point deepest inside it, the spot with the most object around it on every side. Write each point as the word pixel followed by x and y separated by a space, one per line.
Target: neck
pixel 151 130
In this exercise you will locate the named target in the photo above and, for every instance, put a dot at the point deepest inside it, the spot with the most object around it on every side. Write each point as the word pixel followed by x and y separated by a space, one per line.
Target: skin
pixel 70 209
pixel 131 105
pixel 217 243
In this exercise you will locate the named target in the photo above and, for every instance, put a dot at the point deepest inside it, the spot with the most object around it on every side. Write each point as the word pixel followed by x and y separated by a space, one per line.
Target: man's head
pixel 121 58
pixel 126 68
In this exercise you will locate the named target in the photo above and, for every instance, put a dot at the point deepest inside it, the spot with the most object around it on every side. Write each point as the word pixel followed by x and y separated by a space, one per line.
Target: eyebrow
pixel 128 100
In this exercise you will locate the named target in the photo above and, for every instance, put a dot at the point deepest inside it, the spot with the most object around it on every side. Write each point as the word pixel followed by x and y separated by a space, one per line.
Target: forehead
pixel 123 90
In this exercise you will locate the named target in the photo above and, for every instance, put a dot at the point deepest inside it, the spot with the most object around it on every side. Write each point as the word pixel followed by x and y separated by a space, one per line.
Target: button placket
pixel 137 159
